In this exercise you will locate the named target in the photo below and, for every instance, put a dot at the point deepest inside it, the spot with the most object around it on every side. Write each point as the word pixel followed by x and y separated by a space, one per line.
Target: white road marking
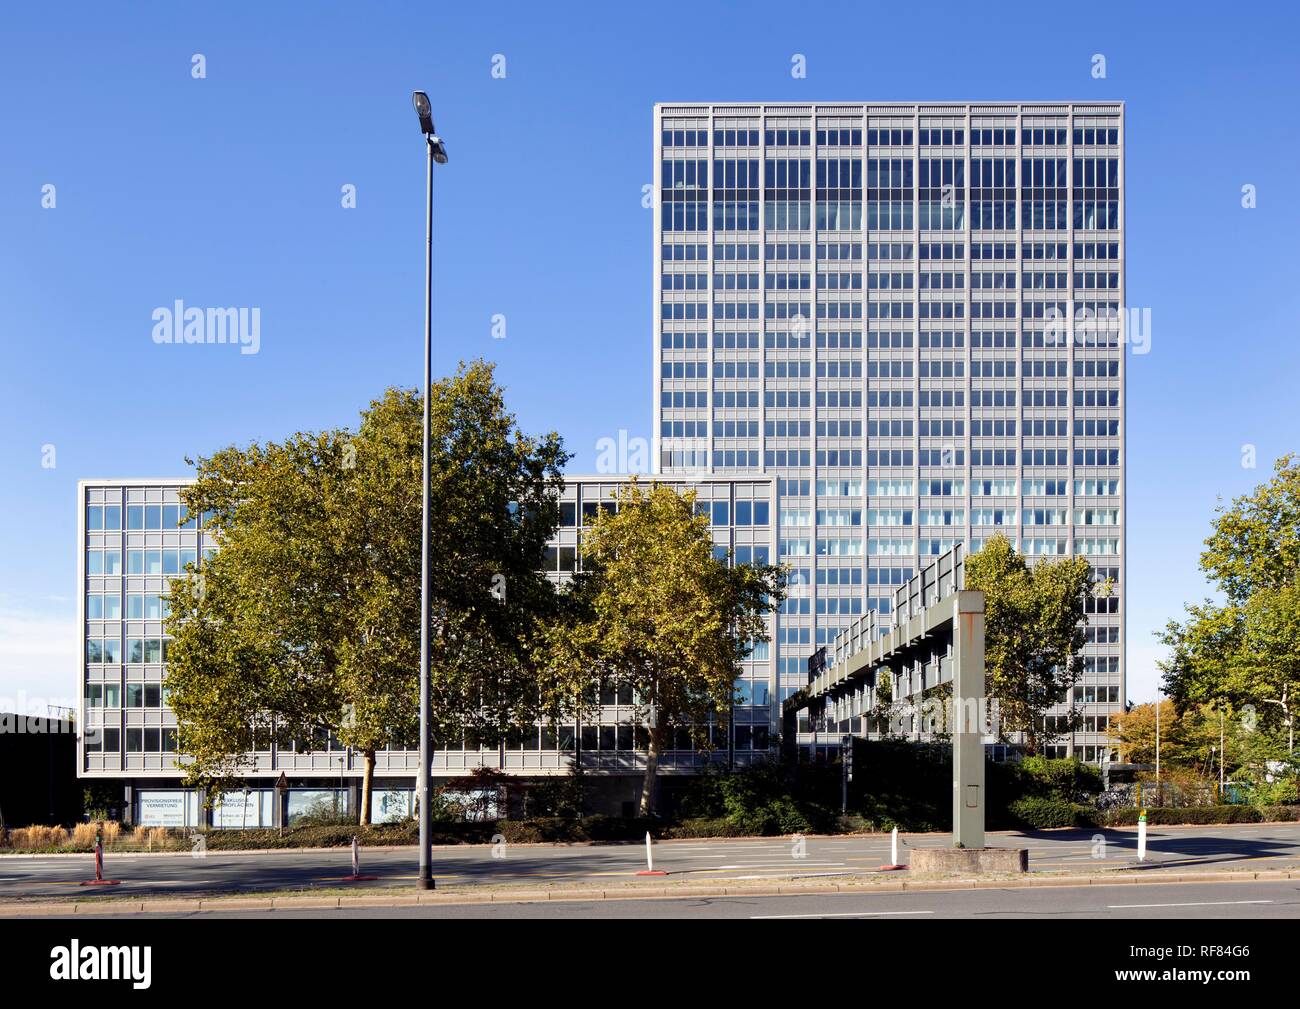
pixel 1199 903
pixel 839 914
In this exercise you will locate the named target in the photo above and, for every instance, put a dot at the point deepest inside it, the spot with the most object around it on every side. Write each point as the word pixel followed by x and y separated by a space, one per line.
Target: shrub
pixel 83 835
pixel 1174 815
pixel 703 798
pixel 112 830
pixel 706 827
pixel 1064 778
pixel 1045 813
pixel 1275 793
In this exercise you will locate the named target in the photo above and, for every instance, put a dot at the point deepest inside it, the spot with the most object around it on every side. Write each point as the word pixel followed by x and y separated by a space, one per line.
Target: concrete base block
pixel 969 861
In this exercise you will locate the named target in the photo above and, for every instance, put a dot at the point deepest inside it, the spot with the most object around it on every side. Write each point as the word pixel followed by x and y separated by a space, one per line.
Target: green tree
pixel 1246 650
pixel 1034 624
pixel 305 622
pixel 656 612
pixel 1188 739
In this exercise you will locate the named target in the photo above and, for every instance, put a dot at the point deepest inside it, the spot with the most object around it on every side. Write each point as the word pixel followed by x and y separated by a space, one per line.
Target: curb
pixel 658 892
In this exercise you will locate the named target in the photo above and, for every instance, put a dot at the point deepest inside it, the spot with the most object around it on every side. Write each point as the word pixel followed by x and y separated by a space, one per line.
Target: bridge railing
pixel 932 584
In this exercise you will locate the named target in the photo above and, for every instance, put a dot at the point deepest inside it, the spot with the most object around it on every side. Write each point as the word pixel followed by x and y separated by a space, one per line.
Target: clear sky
pixel 227 190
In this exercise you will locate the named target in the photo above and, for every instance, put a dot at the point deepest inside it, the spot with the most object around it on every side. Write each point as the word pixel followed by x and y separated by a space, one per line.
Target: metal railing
pixel 931 585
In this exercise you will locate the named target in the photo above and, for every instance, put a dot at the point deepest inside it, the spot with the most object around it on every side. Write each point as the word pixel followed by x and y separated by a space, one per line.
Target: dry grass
pixel 159 838
pixel 83 835
pixel 38 837
pixel 80 838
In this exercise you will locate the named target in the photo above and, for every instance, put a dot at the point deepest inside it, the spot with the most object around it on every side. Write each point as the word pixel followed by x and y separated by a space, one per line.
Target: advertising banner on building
pixel 390 805
pixel 162 808
pixel 235 810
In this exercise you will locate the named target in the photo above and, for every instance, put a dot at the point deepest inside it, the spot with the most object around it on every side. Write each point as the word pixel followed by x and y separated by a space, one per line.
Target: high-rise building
pixel 911 315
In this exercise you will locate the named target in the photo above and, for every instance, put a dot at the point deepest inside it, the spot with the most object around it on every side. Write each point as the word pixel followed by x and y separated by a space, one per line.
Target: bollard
pixel 650 869
pixel 356 876
pixel 1142 836
pixel 893 854
pixel 99 879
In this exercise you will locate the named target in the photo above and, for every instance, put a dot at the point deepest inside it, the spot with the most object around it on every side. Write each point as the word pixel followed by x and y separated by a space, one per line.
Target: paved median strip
pixel 581 894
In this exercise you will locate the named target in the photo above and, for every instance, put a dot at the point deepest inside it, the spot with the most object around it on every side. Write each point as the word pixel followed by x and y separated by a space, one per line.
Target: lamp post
pixel 435 151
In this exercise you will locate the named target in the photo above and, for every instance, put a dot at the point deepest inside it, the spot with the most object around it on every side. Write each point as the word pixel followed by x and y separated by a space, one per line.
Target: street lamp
pixel 436 151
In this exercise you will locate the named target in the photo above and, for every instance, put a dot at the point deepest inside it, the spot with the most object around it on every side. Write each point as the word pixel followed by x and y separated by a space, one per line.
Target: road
pixel 1275 846
pixel 1167 901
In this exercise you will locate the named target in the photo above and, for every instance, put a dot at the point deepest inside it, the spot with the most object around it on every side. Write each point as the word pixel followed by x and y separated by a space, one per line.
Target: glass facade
pixel 923 343
pixel 131 733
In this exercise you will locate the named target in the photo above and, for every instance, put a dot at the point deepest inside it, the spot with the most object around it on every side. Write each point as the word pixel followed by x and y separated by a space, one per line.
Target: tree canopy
pixel 655 611
pixel 1245 650
pixel 305 623
pixel 1034 626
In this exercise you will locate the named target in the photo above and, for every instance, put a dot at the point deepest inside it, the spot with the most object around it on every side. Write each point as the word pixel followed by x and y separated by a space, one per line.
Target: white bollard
pixel 893 853
pixel 650 869
pixel 356 876
pixel 1142 836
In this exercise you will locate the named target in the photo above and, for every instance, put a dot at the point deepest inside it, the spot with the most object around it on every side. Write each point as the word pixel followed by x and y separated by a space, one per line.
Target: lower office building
pixel 135 536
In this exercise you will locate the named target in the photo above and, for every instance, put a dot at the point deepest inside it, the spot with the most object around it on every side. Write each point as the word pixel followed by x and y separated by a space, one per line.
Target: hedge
pixel 1204 815
pixel 1044 813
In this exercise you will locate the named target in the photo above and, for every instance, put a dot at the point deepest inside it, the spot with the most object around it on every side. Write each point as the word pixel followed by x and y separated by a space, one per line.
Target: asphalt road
pixel 1183 849
pixel 1167 901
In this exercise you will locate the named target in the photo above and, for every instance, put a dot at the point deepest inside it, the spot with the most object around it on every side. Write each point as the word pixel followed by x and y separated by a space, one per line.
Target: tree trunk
pixel 649 787
pixel 367 780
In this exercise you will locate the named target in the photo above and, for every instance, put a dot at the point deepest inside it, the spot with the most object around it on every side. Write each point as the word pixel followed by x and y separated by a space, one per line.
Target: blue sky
pixel 226 191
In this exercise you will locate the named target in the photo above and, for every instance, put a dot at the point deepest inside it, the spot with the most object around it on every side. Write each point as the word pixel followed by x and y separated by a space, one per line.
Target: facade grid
pixel 911 315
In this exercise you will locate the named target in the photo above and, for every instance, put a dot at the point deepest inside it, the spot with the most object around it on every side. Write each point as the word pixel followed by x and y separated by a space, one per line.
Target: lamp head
pixel 422 109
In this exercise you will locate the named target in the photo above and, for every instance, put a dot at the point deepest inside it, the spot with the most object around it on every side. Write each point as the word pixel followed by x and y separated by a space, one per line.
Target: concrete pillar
pixel 968 792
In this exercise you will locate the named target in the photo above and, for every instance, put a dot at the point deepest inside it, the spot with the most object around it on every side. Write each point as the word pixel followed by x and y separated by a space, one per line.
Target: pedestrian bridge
pixel 934 636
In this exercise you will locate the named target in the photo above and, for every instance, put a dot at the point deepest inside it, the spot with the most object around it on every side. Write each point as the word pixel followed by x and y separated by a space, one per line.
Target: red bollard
pixel 99 879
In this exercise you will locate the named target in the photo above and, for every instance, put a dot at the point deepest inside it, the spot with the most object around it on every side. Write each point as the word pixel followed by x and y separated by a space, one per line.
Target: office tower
pixel 911 316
